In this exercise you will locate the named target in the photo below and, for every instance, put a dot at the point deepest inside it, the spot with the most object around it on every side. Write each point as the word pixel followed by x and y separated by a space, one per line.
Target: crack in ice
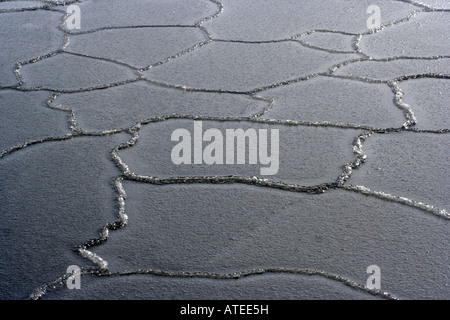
pixel 340 183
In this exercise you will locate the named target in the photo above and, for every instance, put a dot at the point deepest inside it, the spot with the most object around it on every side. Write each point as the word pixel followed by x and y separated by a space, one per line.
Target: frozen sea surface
pixel 87 149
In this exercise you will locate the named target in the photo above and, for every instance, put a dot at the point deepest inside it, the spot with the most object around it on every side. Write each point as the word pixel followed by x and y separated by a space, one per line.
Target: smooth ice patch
pixel 25 116
pixel 307 155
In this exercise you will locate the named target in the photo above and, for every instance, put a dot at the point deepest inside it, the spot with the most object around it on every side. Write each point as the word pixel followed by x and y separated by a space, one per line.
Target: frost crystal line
pixel 235 145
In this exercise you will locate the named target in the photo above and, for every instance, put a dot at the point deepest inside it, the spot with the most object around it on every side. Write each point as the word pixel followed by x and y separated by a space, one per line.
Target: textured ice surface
pixel 243 227
pixel 53 197
pixel 388 70
pixel 25 116
pixel 117 13
pixel 283 19
pixel 232 66
pixel 435 4
pixel 122 106
pixel 397 167
pixel 267 287
pixel 429 99
pixel 23 38
pixel 85 146
pixel 421 37
pixel 139 47
pixel 69 72
pixel 336 100
pixel 299 161
pixel 8 5
pixel 329 41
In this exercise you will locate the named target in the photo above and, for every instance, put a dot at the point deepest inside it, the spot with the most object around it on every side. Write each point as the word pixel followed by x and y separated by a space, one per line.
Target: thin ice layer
pixel 234 228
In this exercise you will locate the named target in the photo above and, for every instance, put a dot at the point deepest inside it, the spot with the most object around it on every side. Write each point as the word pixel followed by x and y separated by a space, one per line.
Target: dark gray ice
pixel 87 176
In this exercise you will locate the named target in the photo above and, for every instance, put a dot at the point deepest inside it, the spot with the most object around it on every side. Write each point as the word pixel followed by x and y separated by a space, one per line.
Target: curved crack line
pixel 73 121
pixel 251 91
pixel 28 143
pixel 341 64
pixel 198 45
pixel 329 72
pixel 307 45
pixel 50 54
pixel 21 63
pixel 103 59
pixel 356 44
pixel 398 100
pixel 421 76
pixel 186 51
pixel 442 213
pixel 295 38
pixel 305 33
pixel 62 2
pixel 361 157
pixel 140 26
pixel 357 40
pixel 266 109
pixel 58 283
pixel 213 16
pixel 427 7
pixel 68 136
pixel 387 81
pixel 72 124
pixel 137 69
pixel 303 43
pixel 255 272
pixel 99 87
